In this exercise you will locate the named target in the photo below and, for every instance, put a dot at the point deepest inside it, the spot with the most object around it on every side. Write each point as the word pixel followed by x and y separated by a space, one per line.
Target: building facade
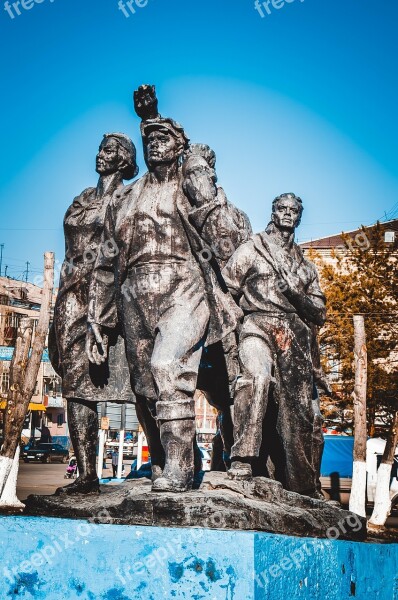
pixel 46 417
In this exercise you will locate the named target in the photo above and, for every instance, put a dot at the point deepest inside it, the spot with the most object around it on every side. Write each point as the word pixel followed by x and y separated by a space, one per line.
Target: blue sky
pixel 301 100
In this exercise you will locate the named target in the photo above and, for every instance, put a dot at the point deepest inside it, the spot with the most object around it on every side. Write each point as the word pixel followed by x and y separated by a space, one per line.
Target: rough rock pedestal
pixel 219 503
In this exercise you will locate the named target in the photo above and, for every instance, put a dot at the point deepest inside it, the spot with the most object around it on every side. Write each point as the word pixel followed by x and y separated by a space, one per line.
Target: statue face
pixel 162 148
pixel 108 159
pixel 286 214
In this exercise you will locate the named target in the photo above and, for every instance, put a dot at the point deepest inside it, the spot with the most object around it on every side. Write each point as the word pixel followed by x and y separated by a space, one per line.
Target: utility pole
pixel 5 272
pixel 358 488
pixel 27 271
pixel 1 257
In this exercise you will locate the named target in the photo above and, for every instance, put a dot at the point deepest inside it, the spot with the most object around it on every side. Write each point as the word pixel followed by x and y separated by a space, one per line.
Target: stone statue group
pixel 165 290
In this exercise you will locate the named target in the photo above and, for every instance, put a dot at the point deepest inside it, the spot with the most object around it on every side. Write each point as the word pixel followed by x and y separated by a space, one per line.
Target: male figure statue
pixel 220 365
pixel 278 291
pixel 166 293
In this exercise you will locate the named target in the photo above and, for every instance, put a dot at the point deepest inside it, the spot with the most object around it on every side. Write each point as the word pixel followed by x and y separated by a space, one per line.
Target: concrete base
pixel 56 559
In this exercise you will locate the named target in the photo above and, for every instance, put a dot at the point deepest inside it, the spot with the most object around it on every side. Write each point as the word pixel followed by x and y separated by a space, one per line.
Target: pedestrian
pixel 115 461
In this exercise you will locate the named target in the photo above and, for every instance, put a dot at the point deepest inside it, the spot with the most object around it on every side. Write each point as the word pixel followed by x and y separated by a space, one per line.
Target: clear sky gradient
pixel 302 100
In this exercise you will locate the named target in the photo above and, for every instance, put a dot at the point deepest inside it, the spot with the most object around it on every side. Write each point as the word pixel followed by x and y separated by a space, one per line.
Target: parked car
pixel 45 453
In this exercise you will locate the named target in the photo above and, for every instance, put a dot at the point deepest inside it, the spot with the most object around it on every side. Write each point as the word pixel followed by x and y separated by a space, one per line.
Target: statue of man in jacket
pixel 165 291
pixel 279 293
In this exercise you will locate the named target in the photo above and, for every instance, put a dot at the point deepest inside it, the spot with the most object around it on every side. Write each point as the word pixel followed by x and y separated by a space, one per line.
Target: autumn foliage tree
pixel 362 279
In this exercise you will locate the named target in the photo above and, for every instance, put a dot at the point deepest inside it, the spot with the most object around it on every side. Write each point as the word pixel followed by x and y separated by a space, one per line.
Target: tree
pixel 362 280
pixel 23 376
pixel 382 506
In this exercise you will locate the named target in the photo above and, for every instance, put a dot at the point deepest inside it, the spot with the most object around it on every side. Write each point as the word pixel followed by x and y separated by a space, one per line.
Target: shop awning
pixel 32 405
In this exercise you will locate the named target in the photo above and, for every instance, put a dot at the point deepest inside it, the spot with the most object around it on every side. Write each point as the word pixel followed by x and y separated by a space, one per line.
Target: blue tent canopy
pixel 337 456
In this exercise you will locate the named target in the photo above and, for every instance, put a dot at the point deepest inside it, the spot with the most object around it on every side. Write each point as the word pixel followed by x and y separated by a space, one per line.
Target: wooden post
pixel 121 440
pixel 140 444
pixel 23 377
pixel 104 426
pixel 358 488
pixel 382 506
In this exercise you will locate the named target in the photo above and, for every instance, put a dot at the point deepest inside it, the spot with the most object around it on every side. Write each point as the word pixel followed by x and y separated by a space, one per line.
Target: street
pixel 38 478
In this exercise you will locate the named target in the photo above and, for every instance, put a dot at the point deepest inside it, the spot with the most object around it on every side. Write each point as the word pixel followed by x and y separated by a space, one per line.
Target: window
pixel 60 420
pixel 4 383
pixel 389 237
pixel 334 369
pixel 11 323
pixel 52 386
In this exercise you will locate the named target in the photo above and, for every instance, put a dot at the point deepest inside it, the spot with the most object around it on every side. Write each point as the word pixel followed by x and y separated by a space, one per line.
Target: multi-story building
pixel 47 409
pixel 329 248
pixel 206 418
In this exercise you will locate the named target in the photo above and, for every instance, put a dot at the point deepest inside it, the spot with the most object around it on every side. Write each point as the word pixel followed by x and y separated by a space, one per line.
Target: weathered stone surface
pixel 260 504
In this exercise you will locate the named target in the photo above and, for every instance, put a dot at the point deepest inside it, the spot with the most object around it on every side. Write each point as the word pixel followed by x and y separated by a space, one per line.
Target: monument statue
pixel 184 295
pixel 278 291
pixel 166 291
pixel 84 384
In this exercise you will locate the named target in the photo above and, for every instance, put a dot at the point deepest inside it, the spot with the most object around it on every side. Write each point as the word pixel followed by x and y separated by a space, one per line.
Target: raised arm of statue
pixel 146 102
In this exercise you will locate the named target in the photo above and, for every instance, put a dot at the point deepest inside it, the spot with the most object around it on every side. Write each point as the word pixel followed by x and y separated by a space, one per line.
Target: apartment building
pixel 47 409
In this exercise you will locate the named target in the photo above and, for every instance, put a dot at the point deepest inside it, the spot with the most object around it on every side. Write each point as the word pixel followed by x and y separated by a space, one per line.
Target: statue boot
pixel 250 405
pixel 178 441
pixel 83 428
pixel 147 419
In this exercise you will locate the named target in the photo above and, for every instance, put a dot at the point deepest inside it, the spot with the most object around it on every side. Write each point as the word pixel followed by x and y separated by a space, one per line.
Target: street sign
pixel 105 423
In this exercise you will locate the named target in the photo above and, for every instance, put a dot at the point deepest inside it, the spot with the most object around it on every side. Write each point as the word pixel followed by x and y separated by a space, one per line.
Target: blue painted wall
pixel 56 559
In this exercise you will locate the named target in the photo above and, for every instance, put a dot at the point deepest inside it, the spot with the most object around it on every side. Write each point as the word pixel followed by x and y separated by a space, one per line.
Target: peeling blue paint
pixel 211 571
pixel 25 582
pixel 116 562
pixel 115 594
pixel 78 586
pixel 176 571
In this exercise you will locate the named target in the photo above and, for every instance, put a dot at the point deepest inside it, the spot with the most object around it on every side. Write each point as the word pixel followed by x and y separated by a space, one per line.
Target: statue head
pixel 164 142
pixel 117 153
pixel 202 150
pixel 287 210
